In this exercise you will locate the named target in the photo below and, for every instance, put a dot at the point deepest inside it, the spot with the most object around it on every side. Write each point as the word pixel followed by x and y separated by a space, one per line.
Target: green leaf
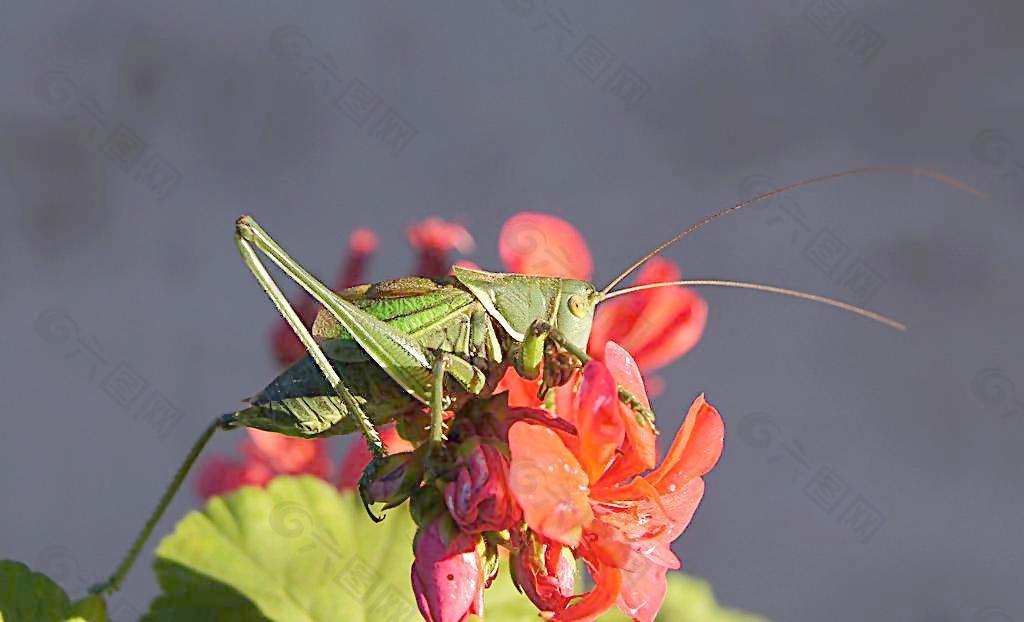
pixel 300 551
pixel 92 608
pixel 295 551
pixel 27 596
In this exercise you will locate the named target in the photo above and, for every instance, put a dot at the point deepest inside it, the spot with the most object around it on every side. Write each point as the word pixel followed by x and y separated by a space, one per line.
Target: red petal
pixel 639 453
pixel 292 455
pixel 608 584
pixel 680 505
pixel 362 243
pixel 681 324
pixel 434 234
pixel 598 422
pixel 435 239
pixel 637 490
pixel 521 392
pixel 625 371
pixel 218 476
pixel 643 592
pixel 695 449
pixel 548 483
pixel 532 243
pixel 605 543
pixel 637 516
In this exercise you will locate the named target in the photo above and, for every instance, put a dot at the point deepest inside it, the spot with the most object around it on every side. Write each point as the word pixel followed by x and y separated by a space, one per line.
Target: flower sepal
pixel 426 504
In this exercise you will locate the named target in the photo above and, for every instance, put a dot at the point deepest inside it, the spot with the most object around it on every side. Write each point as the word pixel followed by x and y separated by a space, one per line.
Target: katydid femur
pixel 401 349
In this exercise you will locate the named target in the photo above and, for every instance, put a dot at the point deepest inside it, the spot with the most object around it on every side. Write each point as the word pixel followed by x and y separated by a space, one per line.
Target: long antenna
pixel 871 315
pixel 949 181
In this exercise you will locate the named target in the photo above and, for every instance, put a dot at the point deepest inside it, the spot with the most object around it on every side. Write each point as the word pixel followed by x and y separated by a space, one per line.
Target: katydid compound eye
pixel 578 305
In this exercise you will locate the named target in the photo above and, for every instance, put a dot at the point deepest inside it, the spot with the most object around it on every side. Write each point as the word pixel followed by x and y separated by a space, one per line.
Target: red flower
pixel 478 499
pixel 265 455
pixel 447 574
pixel 588 493
pixel 285 346
pixel 435 239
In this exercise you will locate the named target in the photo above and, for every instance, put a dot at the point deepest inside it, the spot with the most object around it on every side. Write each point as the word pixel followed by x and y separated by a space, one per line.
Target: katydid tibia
pixel 413 346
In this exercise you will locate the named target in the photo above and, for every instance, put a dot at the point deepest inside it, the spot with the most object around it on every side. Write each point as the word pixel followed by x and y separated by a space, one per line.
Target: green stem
pixel 114 582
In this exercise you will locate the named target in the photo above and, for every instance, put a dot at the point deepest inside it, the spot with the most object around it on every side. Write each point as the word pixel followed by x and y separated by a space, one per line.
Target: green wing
pixel 411 305
pixel 440 315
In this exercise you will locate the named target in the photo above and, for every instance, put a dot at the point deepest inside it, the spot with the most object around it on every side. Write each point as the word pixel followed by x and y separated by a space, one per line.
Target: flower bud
pixel 391 480
pixel 447 574
pixel 545 573
pixel 479 499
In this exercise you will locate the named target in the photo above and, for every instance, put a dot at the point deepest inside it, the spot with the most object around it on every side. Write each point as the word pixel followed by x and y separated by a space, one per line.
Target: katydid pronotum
pixel 415 345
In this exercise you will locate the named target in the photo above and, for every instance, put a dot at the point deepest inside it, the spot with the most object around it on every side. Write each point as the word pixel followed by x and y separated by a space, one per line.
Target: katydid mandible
pixel 398 349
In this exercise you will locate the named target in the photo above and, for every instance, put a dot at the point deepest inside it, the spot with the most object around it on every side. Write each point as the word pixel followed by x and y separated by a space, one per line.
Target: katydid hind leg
pixel 259 271
pixel 397 353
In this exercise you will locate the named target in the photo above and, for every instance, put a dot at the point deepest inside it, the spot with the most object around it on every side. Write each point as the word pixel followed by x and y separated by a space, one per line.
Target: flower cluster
pixel 551 484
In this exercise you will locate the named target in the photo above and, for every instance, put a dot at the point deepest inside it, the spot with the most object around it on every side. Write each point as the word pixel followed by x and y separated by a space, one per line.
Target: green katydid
pixel 395 349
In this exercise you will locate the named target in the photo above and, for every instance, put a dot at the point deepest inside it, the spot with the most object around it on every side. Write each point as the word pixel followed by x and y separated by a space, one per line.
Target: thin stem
pixel 114 582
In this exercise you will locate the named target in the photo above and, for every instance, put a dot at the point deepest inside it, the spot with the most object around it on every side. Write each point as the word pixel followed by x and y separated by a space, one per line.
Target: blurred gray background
pixel 868 475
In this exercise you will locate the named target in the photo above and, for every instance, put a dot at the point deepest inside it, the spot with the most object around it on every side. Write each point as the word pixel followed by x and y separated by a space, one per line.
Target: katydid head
pixel 575 314
pixel 516 301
